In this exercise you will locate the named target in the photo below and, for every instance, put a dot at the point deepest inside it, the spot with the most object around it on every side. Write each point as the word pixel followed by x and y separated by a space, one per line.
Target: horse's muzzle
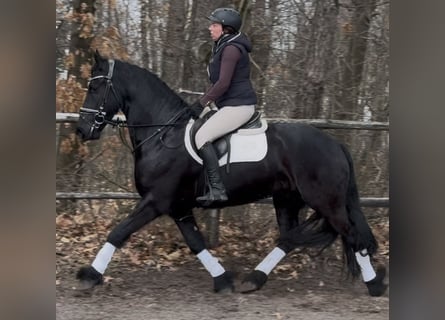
pixel 87 135
pixel 80 134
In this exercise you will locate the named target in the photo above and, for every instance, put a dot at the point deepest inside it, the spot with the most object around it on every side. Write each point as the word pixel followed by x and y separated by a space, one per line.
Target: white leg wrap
pixel 368 272
pixel 271 260
pixel 210 263
pixel 103 257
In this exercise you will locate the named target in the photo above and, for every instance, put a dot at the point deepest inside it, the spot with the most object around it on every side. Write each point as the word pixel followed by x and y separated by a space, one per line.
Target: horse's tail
pixel 362 236
pixel 315 231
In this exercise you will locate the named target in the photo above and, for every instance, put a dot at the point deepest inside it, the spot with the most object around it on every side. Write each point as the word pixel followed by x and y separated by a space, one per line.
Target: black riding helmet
pixel 227 17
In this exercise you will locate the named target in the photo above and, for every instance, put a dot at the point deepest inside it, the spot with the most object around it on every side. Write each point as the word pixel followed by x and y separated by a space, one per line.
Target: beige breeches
pixel 223 121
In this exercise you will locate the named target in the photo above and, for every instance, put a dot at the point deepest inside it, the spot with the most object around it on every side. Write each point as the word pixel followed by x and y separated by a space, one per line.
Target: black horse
pixel 303 166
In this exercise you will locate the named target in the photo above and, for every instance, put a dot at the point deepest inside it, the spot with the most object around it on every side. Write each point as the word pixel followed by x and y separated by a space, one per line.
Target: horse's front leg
pixel 90 276
pixel 222 279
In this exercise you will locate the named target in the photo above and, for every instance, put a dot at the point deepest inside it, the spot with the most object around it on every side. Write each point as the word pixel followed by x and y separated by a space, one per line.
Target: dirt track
pixel 156 277
pixel 187 294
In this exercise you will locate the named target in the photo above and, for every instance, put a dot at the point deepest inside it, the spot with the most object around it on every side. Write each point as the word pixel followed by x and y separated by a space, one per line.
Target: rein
pixel 123 124
pixel 170 123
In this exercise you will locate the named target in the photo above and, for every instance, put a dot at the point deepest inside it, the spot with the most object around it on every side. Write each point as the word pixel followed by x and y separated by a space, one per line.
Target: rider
pixel 231 91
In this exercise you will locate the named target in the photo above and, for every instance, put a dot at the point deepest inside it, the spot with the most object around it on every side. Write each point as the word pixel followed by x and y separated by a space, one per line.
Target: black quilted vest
pixel 240 91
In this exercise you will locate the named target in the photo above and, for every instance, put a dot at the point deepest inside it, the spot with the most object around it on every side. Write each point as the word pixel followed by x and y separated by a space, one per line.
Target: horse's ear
pixel 97 56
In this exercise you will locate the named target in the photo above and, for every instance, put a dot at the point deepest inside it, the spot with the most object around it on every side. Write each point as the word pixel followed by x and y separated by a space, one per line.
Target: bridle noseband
pixel 99 114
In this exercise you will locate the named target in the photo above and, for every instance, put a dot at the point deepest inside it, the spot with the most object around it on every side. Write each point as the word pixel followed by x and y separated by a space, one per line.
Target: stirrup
pixel 210 198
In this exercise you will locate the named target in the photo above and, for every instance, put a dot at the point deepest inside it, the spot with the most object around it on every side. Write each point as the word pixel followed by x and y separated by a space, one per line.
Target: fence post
pixel 213 227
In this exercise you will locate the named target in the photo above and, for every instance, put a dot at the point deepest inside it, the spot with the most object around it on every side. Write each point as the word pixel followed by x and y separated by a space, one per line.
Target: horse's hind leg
pixel 287 207
pixel 222 279
pixel 359 244
pixel 90 276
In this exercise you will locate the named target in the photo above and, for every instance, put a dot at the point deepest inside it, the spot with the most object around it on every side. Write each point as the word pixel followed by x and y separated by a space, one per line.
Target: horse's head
pixel 101 102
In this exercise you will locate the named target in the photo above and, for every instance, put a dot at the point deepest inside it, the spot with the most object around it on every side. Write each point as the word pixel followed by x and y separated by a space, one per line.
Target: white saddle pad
pixel 248 145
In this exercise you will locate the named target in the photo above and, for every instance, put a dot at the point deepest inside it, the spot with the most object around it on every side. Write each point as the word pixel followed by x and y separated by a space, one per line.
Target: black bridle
pixel 99 113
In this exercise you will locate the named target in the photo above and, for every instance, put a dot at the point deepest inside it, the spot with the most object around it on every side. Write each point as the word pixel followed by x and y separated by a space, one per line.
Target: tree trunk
pixel 144 32
pixel 318 59
pixel 174 44
pixel 190 28
pixel 356 38
pixel 81 38
pixel 261 46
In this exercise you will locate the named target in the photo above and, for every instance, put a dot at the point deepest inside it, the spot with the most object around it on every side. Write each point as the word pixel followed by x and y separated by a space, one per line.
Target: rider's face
pixel 216 30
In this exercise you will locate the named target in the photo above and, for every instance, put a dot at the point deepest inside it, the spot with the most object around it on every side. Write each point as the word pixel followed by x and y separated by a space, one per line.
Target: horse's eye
pixel 92 86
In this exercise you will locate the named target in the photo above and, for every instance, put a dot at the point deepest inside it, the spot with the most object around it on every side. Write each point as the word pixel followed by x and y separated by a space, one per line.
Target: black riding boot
pixel 217 191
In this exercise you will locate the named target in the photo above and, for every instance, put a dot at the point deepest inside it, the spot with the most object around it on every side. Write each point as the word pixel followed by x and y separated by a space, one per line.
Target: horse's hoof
pixel 254 281
pixel 224 283
pixel 376 287
pixel 88 278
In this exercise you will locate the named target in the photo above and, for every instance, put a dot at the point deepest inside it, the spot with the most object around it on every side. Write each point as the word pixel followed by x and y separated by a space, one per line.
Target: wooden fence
pixel 364 202
pixel 214 214
pixel 319 123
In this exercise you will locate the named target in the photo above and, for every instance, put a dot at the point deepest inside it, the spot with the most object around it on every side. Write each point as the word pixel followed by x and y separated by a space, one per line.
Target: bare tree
pixel 145 25
pixel 174 44
pixel 352 73
pixel 259 31
pixel 81 38
pixel 316 37
pixel 190 28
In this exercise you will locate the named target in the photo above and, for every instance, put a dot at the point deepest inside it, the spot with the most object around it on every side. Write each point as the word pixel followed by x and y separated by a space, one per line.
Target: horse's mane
pixel 155 82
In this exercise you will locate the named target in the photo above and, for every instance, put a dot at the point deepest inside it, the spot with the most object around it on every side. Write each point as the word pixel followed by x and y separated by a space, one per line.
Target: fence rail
pixel 365 201
pixel 64 117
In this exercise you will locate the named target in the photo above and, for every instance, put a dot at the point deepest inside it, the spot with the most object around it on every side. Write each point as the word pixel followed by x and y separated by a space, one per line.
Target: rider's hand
pixel 196 109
